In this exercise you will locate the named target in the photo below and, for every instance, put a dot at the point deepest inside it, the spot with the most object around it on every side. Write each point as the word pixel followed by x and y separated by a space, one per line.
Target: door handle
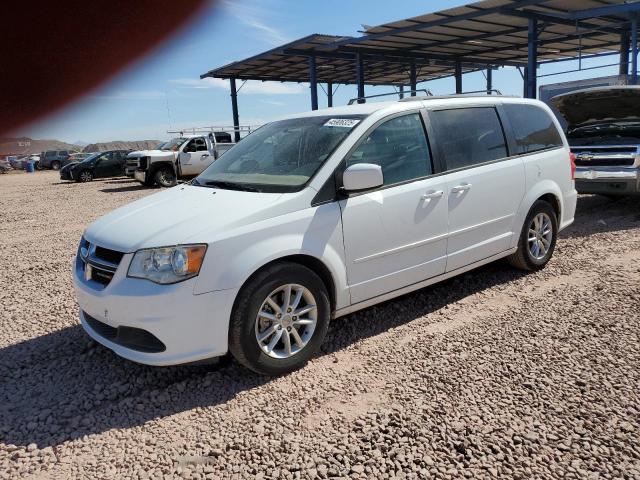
pixel 461 188
pixel 432 194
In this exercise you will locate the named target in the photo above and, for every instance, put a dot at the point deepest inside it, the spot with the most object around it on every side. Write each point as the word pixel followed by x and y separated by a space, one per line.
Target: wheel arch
pixel 546 190
pixel 155 166
pixel 314 264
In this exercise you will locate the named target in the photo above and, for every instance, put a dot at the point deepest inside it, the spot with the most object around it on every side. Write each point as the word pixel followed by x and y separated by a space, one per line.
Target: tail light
pixel 572 160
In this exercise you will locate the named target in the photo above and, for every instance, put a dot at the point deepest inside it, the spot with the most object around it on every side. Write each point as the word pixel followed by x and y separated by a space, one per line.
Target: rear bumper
pixel 608 180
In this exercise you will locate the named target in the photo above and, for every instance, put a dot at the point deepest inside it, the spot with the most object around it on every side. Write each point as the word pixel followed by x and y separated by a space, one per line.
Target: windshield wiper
pixel 231 186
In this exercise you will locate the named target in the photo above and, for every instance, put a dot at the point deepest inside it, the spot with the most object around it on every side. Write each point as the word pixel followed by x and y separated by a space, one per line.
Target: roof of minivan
pixel 409 103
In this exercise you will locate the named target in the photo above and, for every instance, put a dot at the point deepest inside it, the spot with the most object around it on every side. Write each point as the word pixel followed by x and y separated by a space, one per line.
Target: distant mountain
pixel 28 146
pixel 81 143
pixel 122 145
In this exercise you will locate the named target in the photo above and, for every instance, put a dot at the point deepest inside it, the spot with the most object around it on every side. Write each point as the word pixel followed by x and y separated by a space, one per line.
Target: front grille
pixel 101 276
pixel 142 163
pixel 98 264
pixel 130 337
pixel 109 255
pixel 605 156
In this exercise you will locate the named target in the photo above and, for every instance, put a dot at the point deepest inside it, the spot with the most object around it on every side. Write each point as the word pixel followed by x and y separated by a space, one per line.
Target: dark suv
pixel 97 165
pixel 54 159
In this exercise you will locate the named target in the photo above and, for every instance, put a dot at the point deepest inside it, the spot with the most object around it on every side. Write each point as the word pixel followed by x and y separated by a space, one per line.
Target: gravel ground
pixel 495 374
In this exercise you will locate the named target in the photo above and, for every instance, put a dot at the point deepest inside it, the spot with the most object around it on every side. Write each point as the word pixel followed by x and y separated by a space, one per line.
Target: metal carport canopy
pixel 451 42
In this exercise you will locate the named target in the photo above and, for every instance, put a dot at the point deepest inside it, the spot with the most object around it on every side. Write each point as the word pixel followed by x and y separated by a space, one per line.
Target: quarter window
pixel 399 146
pixel 469 136
pixel 533 128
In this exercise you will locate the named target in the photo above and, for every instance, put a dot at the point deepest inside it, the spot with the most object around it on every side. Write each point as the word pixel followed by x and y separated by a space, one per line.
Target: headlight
pixel 167 264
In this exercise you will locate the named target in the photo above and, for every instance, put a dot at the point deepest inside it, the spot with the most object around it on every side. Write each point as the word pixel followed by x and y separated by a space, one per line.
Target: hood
pixel 598 104
pixel 151 153
pixel 178 215
pixel 69 166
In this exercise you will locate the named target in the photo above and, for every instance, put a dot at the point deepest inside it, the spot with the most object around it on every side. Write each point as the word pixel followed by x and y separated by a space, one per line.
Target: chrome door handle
pixel 461 188
pixel 432 194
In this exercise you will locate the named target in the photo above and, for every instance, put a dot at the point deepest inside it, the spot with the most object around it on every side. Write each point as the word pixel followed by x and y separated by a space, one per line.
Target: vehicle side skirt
pixel 417 286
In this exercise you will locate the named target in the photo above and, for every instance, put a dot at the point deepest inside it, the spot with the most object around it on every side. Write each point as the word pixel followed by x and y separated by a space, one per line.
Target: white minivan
pixel 319 215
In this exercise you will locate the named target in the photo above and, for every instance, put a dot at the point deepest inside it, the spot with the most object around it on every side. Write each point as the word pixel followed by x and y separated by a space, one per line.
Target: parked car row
pixel 96 165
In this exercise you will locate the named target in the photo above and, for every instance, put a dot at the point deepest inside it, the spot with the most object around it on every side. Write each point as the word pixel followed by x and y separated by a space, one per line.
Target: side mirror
pixel 362 176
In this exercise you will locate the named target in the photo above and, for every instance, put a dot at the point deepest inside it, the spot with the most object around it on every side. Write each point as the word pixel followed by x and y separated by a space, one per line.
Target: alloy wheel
pixel 540 236
pixel 286 321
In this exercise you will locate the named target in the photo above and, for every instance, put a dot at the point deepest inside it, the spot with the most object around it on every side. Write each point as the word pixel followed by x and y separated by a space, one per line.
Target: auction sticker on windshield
pixel 342 122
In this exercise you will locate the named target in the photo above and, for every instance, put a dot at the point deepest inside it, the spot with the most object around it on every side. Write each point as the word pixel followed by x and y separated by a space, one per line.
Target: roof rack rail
pixel 475 93
pixel 426 91
pixel 247 129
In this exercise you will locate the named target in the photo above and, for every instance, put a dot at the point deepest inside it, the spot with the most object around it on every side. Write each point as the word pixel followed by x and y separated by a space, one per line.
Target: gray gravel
pixel 495 374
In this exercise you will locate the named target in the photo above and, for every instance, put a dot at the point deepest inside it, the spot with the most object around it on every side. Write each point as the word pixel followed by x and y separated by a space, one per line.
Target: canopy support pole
pixel 489 80
pixel 360 77
pixel 413 79
pixel 234 110
pixel 313 82
pixel 624 53
pixel 329 94
pixel 634 50
pixel 401 92
pixel 458 75
pixel 532 58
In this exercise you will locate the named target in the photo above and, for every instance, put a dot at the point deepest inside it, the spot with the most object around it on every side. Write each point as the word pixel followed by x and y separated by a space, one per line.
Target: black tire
pixel 55 165
pixel 523 258
pixel 165 177
pixel 37 166
pixel 243 344
pixel 85 176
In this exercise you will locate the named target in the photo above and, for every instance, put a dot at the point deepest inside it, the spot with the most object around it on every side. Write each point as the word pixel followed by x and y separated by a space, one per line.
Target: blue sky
pixel 163 90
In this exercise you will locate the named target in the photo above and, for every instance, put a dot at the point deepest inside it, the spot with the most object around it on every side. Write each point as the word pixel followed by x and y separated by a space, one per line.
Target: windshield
pixel 279 157
pixel 173 144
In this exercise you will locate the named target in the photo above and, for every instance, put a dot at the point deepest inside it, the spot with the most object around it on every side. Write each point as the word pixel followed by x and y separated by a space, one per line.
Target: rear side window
pixel 469 136
pixel 399 146
pixel 533 128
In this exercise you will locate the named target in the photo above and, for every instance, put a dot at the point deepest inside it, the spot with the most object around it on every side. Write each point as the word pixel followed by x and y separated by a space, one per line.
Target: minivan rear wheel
pixel 55 165
pixel 280 319
pixel 537 239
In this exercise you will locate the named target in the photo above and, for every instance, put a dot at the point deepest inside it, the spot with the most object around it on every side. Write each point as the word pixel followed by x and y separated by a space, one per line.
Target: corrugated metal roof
pixel 490 32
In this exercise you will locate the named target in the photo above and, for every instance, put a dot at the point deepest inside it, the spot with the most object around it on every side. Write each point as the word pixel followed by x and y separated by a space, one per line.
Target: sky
pixel 163 91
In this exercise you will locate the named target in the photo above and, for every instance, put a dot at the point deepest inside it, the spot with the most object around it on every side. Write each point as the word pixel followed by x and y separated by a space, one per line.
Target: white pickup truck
pixel 184 156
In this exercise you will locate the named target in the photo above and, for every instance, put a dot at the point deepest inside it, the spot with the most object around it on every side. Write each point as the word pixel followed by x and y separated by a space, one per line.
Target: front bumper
pixel 140 175
pixel 608 180
pixel 191 327
pixel 66 176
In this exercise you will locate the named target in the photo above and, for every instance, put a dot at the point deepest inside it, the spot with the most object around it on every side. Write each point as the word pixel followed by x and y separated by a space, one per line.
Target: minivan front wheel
pixel 280 319
pixel 537 239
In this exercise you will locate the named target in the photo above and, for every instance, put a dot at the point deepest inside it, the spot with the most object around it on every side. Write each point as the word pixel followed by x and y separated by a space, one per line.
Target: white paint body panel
pixel 481 214
pixel 394 237
pixel 375 245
